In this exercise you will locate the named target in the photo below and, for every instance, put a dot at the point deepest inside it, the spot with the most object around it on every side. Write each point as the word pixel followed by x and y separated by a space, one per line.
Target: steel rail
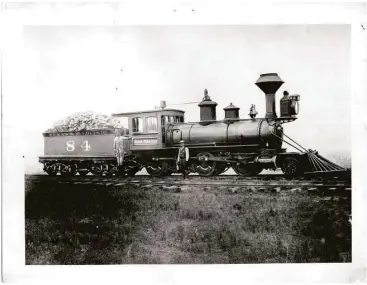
pixel 228 183
pixel 168 179
pixel 179 180
pixel 219 177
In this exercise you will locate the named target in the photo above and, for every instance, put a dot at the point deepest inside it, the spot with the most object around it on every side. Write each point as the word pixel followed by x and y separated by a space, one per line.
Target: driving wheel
pixel 204 166
pixel 221 168
pixel 246 169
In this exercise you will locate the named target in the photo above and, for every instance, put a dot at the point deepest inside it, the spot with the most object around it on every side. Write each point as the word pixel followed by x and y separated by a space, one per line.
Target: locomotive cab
pixel 148 128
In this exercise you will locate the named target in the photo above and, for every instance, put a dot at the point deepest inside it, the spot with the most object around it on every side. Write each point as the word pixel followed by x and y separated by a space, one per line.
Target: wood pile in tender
pixel 84 121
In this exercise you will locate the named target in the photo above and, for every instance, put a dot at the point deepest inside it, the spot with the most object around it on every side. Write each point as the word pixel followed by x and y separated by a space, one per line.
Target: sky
pixel 70 69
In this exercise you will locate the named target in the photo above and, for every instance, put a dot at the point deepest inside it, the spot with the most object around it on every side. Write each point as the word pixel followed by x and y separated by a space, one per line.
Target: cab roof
pixel 147 111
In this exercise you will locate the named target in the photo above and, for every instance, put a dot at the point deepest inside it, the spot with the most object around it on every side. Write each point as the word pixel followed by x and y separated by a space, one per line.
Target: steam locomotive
pixel 246 145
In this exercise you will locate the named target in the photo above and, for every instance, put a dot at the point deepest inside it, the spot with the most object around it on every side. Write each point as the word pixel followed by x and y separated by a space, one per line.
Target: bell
pixel 253 112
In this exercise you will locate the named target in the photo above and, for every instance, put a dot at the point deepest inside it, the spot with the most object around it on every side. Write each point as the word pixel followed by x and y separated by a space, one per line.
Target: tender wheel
pixel 57 168
pixel 50 169
pixel 83 172
pixel 68 170
pixel 51 172
pixel 291 167
pixel 67 173
pixel 156 169
pixel 98 169
pixel 246 169
pixel 114 170
pixel 83 168
pixel 204 167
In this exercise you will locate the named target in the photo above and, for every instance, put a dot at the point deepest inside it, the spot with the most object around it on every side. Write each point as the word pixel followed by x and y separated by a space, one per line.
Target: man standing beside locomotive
pixel 119 148
pixel 182 158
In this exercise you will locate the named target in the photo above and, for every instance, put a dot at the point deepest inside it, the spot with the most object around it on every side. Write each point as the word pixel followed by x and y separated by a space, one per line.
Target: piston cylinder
pixel 267 162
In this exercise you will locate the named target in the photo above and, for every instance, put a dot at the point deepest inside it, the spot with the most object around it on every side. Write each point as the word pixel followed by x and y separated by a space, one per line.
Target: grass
pixel 98 225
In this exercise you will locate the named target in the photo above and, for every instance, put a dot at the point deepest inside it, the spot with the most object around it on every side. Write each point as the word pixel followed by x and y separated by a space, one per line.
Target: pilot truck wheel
pixel 291 167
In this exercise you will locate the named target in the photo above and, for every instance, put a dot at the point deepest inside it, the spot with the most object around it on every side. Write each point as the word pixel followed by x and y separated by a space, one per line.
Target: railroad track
pixel 220 177
pixel 275 181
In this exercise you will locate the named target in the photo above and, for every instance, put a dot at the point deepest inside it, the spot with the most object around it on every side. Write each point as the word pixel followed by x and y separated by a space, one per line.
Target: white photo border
pixel 14 16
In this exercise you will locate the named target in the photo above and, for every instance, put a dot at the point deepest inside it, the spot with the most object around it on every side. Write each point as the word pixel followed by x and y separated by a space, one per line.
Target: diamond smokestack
pixel 269 83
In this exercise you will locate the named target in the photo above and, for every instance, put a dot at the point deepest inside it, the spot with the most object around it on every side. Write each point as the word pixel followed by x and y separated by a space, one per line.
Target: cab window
pixel 174 119
pixel 170 119
pixel 152 124
pixel 163 129
pixel 137 125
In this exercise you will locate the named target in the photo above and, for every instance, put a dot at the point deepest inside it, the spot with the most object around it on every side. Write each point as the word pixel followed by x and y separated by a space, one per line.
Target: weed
pixel 98 225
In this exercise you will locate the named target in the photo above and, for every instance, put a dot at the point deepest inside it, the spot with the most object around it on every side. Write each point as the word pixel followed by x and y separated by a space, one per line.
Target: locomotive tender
pixel 246 145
